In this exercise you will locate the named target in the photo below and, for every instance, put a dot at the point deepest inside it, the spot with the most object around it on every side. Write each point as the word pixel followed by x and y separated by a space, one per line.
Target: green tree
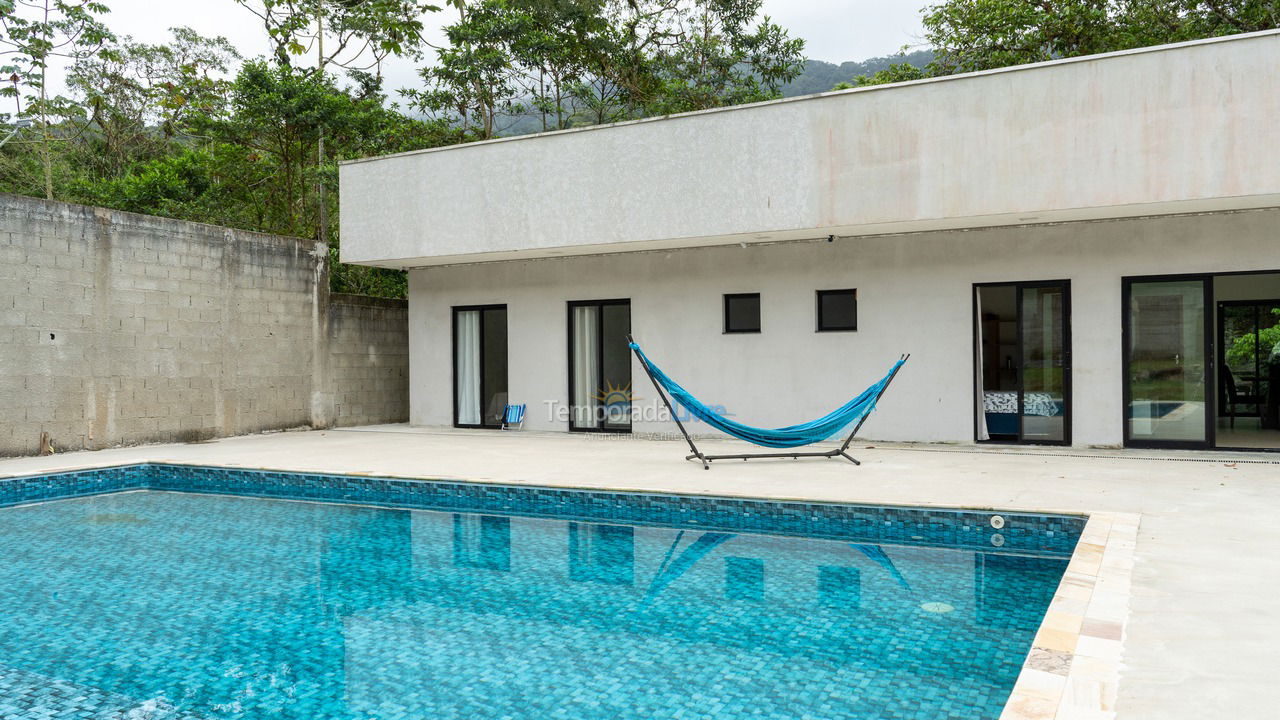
pixel 353 34
pixel 474 81
pixel 554 49
pixel 245 160
pixel 597 61
pixel 32 34
pixel 202 184
pixel 276 113
pixel 357 35
pixel 655 57
pixel 971 35
pixel 712 53
pixel 895 73
pixel 138 97
pixel 1249 346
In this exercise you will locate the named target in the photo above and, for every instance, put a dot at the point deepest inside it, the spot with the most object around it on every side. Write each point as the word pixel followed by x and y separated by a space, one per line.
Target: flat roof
pixel 1170 129
pixel 830 93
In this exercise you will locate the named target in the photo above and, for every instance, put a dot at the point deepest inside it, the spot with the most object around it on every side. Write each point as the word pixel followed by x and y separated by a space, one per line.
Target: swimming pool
pixel 459 600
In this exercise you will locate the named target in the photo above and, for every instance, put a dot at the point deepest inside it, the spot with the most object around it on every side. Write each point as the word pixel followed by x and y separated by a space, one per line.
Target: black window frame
pixel 729 298
pixel 600 304
pixel 1210 441
pixel 1068 400
pixel 821 327
pixel 453 362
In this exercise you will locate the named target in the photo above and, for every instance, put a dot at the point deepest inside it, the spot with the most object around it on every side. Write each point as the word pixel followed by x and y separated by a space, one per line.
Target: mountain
pixel 819 76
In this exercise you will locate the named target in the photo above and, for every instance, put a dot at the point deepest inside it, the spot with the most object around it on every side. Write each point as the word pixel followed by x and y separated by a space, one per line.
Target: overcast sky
pixel 834 30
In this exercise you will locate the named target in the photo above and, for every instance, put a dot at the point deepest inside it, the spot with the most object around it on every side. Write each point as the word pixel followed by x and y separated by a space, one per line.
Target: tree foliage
pixel 575 62
pixel 169 130
pixel 895 73
pixel 29 42
pixel 186 129
pixel 475 79
pixel 971 35
pixel 139 97
pixel 716 53
pixel 819 76
pixel 1249 346
pixel 974 35
pixel 361 34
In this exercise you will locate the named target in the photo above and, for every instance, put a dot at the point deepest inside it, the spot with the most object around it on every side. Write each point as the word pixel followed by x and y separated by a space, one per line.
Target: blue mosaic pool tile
pixel 1041 533
pixel 80 483
pixel 228 608
pixel 32 696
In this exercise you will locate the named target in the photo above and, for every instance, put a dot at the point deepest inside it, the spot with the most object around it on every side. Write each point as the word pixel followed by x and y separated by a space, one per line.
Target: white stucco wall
pixel 914 296
pixel 1191 127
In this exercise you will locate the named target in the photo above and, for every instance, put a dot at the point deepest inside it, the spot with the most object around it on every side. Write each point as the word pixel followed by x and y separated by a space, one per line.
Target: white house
pixel 1083 252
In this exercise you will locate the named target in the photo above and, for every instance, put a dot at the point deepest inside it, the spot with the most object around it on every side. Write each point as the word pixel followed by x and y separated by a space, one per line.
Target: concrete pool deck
pixel 1203 633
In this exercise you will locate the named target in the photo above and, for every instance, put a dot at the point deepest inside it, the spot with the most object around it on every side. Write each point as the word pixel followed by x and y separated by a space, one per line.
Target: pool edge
pixel 1072 671
pixel 552 484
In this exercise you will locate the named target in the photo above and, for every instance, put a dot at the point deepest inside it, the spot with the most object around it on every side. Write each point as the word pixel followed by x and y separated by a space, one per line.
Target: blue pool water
pixel 151 605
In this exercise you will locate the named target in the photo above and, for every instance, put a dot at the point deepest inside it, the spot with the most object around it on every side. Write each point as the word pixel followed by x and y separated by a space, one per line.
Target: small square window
pixel 742 313
pixel 837 310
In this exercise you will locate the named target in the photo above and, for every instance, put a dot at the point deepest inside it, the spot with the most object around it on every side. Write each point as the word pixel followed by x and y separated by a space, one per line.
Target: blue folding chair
pixel 513 416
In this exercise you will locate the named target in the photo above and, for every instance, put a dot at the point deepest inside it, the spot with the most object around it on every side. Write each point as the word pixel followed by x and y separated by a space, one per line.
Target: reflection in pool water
pixel 244 609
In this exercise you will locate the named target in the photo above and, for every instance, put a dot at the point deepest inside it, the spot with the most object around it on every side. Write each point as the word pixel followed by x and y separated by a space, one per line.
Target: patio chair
pixel 1234 397
pixel 513 416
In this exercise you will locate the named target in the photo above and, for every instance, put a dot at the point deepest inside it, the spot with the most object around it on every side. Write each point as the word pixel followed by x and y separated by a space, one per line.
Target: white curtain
pixel 980 399
pixel 586 365
pixel 466 363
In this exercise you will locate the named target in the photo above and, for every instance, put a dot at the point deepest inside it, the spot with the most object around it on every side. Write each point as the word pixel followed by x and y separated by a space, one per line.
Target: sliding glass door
pixel 1168 363
pixel 479 365
pixel 1046 370
pixel 1023 362
pixel 599 366
pixel 1248 375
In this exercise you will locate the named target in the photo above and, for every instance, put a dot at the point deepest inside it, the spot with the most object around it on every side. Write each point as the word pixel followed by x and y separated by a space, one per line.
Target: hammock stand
pixel 842 451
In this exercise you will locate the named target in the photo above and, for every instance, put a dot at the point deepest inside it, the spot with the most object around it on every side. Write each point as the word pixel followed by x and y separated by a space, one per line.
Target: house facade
pixel 1081 252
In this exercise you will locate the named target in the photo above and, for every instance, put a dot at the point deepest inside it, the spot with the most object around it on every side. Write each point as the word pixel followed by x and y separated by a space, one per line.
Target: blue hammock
pixel 784 437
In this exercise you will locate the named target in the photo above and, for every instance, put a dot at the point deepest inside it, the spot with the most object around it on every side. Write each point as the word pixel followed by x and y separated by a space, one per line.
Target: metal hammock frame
pixel 841 451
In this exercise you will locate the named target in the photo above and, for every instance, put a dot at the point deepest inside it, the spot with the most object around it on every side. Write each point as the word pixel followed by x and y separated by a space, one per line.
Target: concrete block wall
pixel 369 359
pixel 119 329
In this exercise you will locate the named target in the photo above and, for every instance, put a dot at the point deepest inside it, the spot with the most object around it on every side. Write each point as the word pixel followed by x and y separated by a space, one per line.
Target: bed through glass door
pixel 1022 361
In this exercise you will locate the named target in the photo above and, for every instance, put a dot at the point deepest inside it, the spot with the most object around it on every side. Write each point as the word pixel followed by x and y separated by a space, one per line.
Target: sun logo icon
pixel 614 394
